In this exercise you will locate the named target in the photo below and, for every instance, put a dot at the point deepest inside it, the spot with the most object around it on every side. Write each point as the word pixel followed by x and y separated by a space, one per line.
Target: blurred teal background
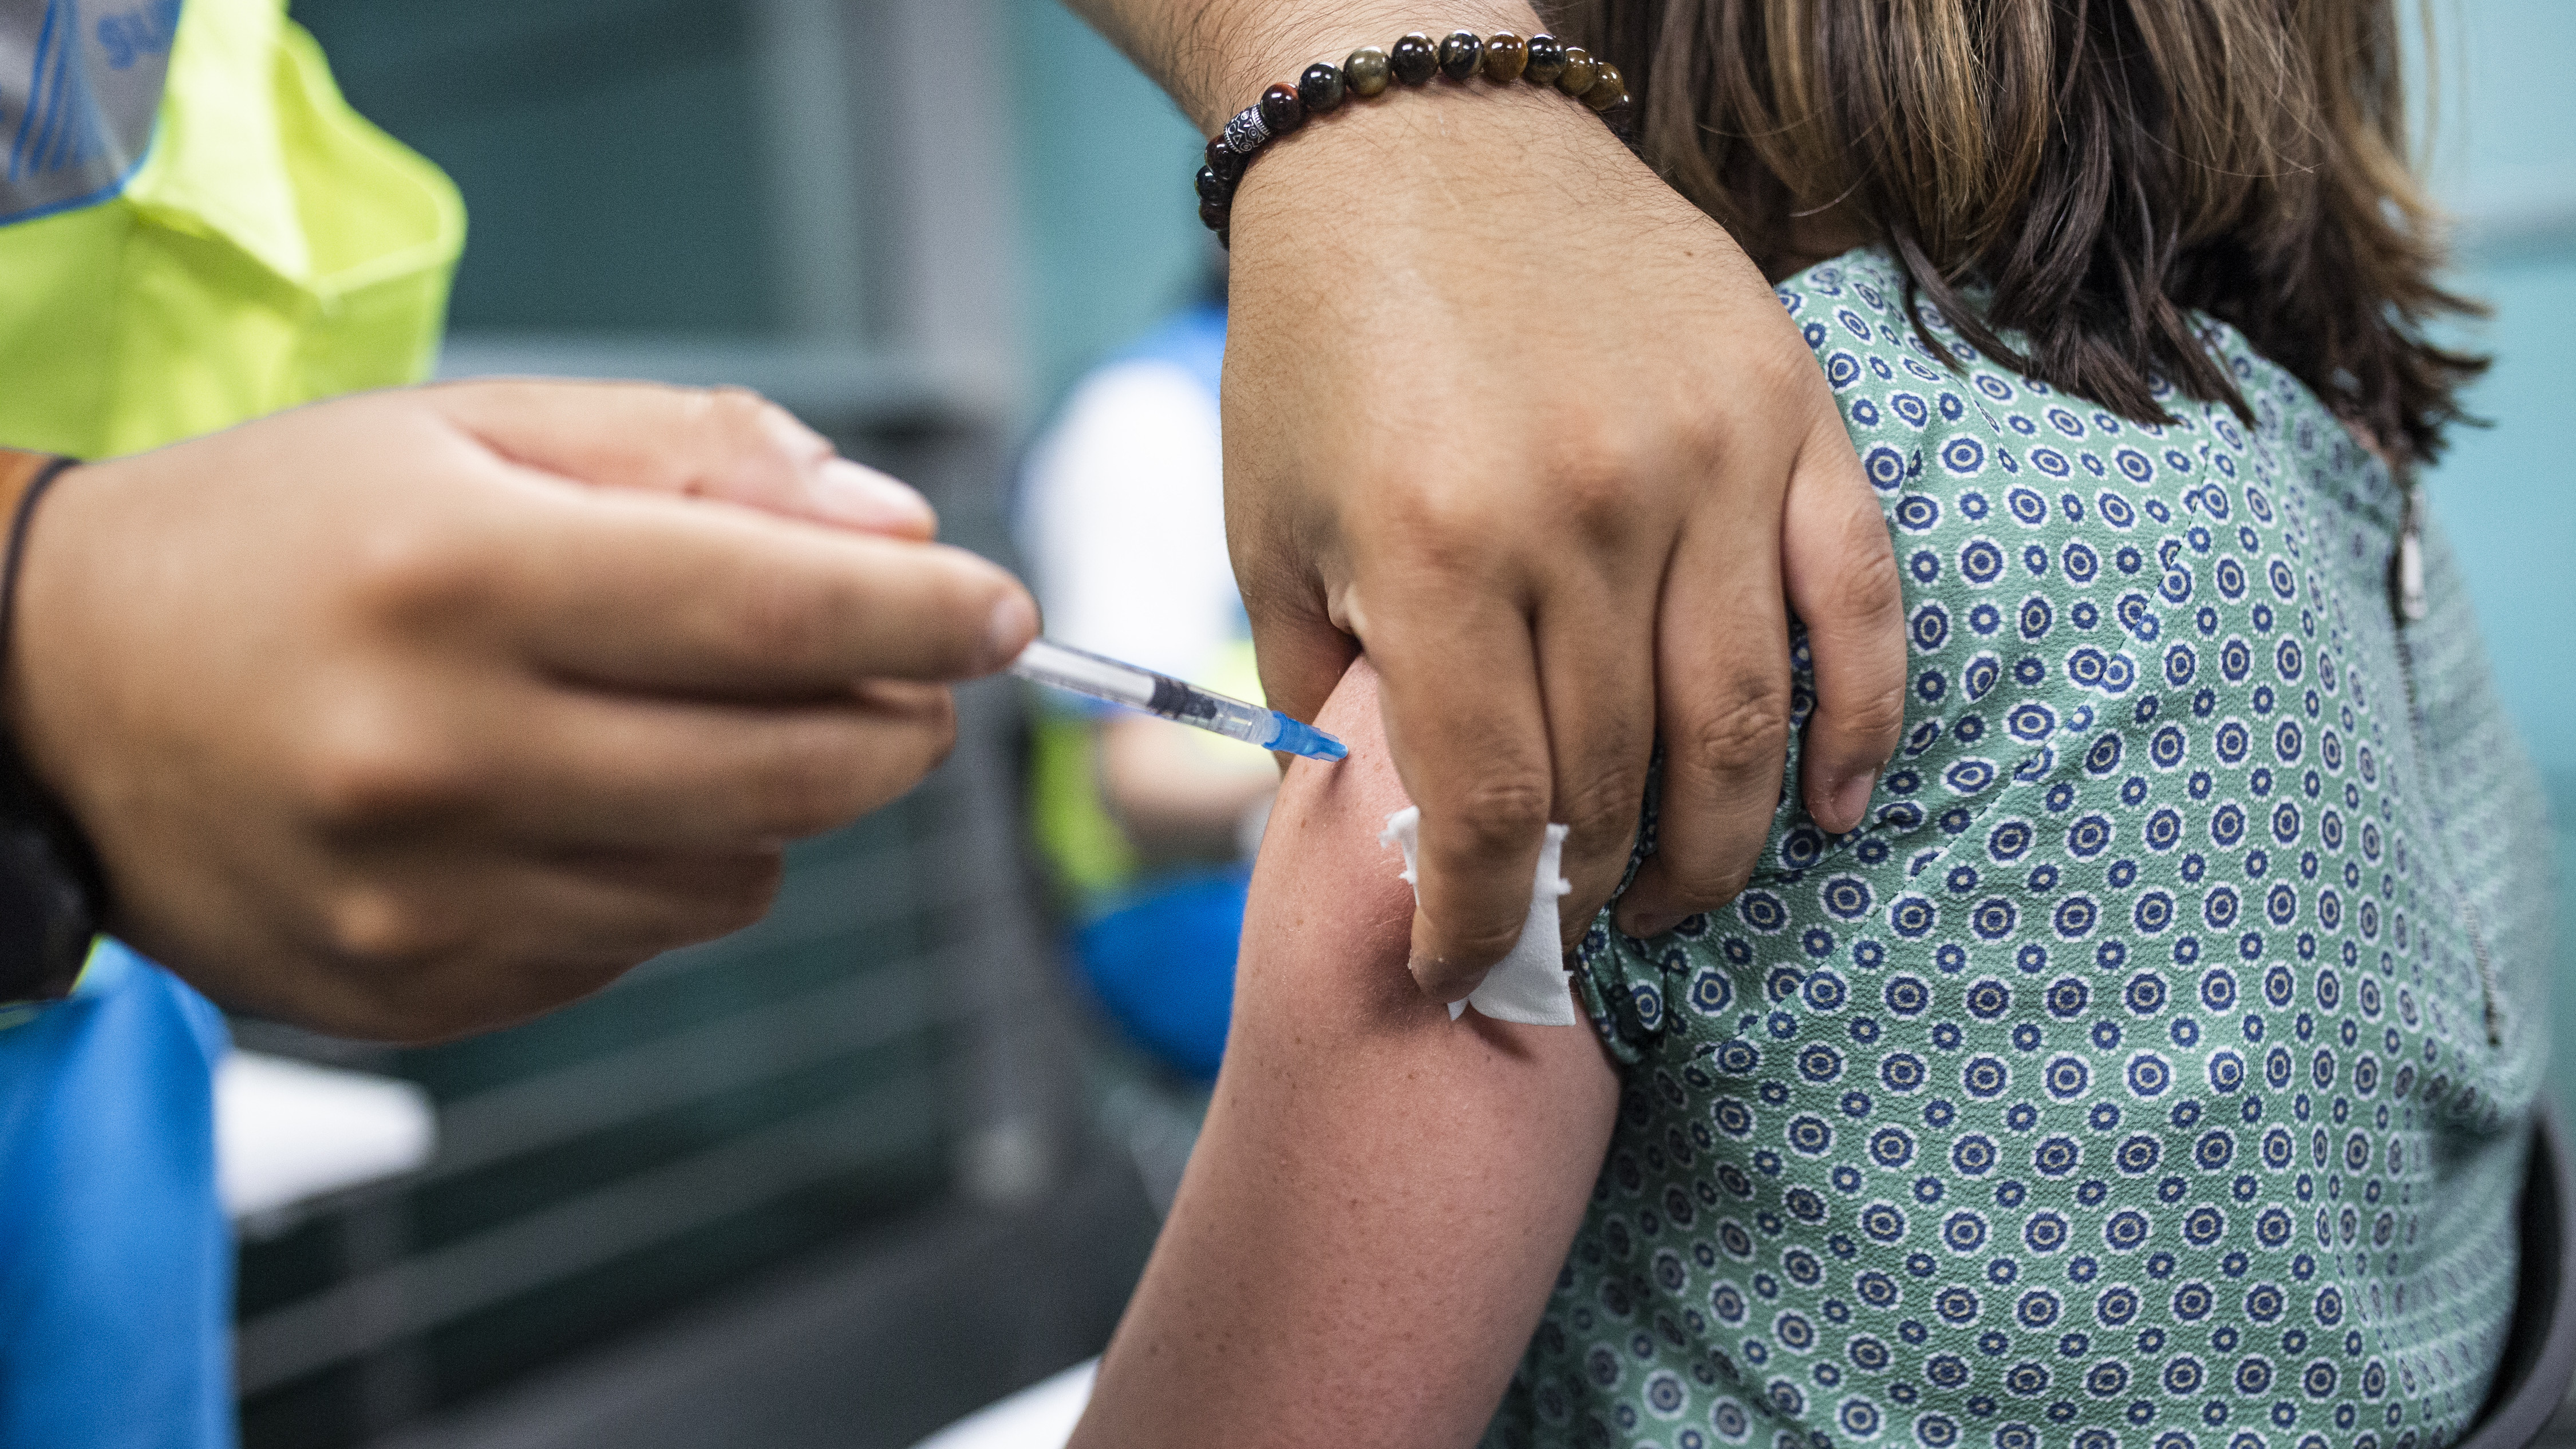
pixel 1111 229
pixel 2501 159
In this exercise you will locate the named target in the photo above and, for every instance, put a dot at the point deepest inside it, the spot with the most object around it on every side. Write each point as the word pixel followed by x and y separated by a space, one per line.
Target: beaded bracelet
pixel 1504 57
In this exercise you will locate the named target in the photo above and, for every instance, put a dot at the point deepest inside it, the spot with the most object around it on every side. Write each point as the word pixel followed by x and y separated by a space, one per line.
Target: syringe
pixel 1086 673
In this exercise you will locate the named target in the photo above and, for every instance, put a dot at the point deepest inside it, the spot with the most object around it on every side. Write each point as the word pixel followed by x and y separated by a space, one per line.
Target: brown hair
pixel 2103 165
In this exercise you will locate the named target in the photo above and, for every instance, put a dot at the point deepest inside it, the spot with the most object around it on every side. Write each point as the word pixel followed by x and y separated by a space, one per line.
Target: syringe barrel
pixel 1229 717
pixel 1048 662
pixel 1086 673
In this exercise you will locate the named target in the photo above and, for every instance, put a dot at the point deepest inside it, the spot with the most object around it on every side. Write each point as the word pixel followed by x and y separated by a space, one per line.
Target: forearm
pixel 1214 56
pixel 1382 1197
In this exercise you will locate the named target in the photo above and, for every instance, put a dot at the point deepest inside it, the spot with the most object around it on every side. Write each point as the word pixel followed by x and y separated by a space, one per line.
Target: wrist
pixel 1455 160
pixel 1240 46
pixel 1459 64
pixel 28 483
pixel 29 526
pixel 52 894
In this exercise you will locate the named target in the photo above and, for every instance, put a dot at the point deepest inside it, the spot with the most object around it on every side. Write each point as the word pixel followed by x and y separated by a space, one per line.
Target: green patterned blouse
pixel 2152 1070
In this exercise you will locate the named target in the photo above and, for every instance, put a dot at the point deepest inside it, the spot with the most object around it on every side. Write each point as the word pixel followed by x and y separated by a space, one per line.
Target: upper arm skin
pixel 1381 1199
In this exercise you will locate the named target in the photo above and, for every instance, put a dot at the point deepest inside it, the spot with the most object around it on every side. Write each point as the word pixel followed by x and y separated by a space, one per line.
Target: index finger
pixel 725 443
pixel 1458 687
pixel 635 591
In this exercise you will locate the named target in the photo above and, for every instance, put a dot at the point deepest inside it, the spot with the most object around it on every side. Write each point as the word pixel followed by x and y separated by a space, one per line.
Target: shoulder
pixel 1967 440
pixel 2051 550
pixel 2105 620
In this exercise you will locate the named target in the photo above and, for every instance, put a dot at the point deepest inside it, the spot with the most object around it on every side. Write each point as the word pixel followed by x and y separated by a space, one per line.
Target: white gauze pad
pixel 1529 985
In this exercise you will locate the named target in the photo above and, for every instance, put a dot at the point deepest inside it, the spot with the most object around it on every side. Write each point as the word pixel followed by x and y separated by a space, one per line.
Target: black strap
pixel 52 891
pixel 18 522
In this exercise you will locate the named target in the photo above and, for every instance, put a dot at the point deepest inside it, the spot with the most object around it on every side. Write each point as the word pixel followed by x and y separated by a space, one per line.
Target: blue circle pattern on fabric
pixel 2146 1072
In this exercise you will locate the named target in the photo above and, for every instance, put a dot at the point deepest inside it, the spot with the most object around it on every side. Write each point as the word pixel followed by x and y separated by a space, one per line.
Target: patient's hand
pixel 1382 1197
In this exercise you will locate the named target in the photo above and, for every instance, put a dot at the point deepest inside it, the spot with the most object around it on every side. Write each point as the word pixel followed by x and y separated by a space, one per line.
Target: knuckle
pixel 746 420
pixel 958 608
pixel 731 411
pixel 1700 435
pixel 1440 530
pixel 1596 493
pixel 1861 582
pixel 804 780
pixel 815 779
pixel 375 925
pixel 1602 476
pixel 403 569
pixel 1602 810
pixel 1477 948
pixel 775 619
pixel 371 768
pixel 1877 718
pixel 1744 734
pixel 1500 813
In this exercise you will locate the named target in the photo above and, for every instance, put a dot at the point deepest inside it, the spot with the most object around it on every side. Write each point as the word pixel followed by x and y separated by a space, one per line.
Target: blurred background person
pixel 1148 826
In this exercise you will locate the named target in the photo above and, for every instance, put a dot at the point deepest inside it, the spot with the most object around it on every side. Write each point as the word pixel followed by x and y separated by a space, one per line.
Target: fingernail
pixel 1426 972
pixel 1851 799
pixel 847 493
pixel 1014 624
pixel 1645 924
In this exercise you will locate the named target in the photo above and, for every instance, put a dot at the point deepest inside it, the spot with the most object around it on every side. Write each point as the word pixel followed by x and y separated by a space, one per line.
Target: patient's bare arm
pixel 1382 1197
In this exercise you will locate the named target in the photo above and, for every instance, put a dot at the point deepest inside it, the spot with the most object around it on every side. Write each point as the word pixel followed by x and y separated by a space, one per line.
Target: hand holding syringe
pixel 1160 694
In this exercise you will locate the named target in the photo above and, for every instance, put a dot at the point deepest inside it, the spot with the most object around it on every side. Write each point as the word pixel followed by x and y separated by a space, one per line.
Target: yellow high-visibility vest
pixel 250 244
pixel 265 247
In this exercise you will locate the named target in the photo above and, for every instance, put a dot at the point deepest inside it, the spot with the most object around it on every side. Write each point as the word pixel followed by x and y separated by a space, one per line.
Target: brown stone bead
pixel 1609 87
pixel 1460 52
pixel 1367 71
pixel 1213 187
pixel 1413 58
pixel 1281 110
pixel 1223 159
pixel 1579 73
pixel 1546 60
pixel 1320 87
pixel 1214 214
pixel 1505 54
